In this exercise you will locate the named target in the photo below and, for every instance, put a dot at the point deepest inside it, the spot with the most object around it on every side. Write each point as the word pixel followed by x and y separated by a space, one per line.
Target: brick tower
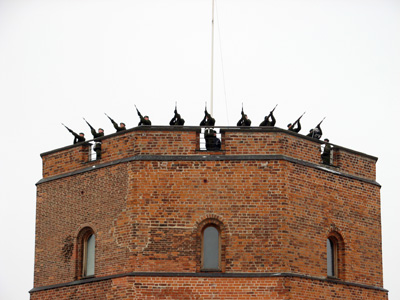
pixel 158 218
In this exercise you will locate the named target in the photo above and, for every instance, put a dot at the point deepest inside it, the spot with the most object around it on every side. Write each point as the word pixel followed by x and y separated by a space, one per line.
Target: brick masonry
pixel 153 190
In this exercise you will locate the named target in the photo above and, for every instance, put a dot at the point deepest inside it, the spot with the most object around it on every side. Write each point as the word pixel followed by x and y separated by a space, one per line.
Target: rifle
pixel 205 109
pixel 70 130
pixel 299 118
pixel 176 110
pixel 321 122
pixel 91 127
pixel 272 111
pixel 138 112
pixel 242 109
pixel 112 121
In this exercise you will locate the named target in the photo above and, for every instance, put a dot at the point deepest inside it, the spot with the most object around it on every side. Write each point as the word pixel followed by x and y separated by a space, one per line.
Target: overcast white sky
pixel 61 60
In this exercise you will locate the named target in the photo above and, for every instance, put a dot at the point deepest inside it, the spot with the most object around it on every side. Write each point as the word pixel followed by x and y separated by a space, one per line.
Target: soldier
pixel 143 120
pixel 176 120
pixel 266 121
pixel 209 135
pixel 244 121
pixel 207 120
pixel 97 144
pixel 316 132
pixel 78 138
pixel 119 128
pixel 291 127
pixel 326 153
pixel 212 142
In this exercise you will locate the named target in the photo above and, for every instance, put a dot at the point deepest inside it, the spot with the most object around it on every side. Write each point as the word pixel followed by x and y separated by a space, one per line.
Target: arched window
pixel 331 256
pixel 211 245
pixel 86 250
pixel 211 249
pixel 89 255
pixel 335 256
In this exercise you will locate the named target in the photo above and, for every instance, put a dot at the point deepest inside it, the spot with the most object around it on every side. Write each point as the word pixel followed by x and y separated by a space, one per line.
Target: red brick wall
pixel 65 160
pixel 161 141
pixel 187 288
pixel 276 216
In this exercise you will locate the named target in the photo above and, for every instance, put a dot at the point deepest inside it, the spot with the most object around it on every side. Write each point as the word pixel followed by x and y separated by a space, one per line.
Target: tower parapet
pixel 185 141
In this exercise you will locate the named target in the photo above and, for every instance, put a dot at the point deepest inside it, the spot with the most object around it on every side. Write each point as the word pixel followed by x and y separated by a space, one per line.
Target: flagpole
pixel 212 59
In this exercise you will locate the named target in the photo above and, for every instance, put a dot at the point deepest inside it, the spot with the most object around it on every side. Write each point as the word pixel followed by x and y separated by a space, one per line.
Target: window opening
pixel 89 256
pixel 331 255
pixel 210 139
pixel 211 248
pixel 92 153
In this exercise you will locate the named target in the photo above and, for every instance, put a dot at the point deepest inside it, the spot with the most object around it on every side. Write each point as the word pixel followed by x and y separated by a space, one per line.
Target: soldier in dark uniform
pixel 119 128
pixel 244 120
pixel 78 138
pixel 267 121
pixel 209 134
pixel 177 120
pixel 97 145
pixel 316 132
pixel 143 120
pixel 326 153
pixel 207 120
pixel 212 142
pixel 291 127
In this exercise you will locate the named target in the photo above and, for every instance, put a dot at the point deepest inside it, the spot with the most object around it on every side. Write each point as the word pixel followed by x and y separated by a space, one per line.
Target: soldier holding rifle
pixel 207 120
pixel 244 121
pixel 119 128
pixel 143 120
pixel 78 138
pixel 291 127
pixel 176 120
pixel 209 133
pixel 97 144
pixel 267 121
pixel 316 132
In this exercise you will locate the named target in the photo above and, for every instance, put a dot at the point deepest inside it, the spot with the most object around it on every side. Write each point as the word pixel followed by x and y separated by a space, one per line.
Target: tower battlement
pixel 185 143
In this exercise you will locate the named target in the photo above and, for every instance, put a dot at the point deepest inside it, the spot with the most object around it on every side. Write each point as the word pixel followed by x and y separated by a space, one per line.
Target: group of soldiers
pixel 210 135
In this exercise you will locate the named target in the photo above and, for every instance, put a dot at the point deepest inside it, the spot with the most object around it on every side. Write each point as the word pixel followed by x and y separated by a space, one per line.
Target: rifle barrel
pixel 321 121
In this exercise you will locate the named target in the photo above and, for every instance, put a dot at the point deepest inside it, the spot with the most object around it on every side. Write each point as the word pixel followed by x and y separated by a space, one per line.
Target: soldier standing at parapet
pixel 119 128
pixel 266 121
pixel 244 121
pixel 176 120
pixel 143 120
pixel 78 138
pixel 207 120
pixel 291 127
pixel 97 144
pixel 326 153
pixel 316 132
pixel 212 142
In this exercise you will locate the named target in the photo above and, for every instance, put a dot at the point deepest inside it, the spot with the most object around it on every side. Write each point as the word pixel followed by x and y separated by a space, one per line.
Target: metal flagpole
pixel 212 58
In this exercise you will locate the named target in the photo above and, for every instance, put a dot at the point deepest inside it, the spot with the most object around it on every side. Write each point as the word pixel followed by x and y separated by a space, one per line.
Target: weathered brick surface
pixel 275 216
pixel 194 288
pixel 67 160
pixel 163 141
